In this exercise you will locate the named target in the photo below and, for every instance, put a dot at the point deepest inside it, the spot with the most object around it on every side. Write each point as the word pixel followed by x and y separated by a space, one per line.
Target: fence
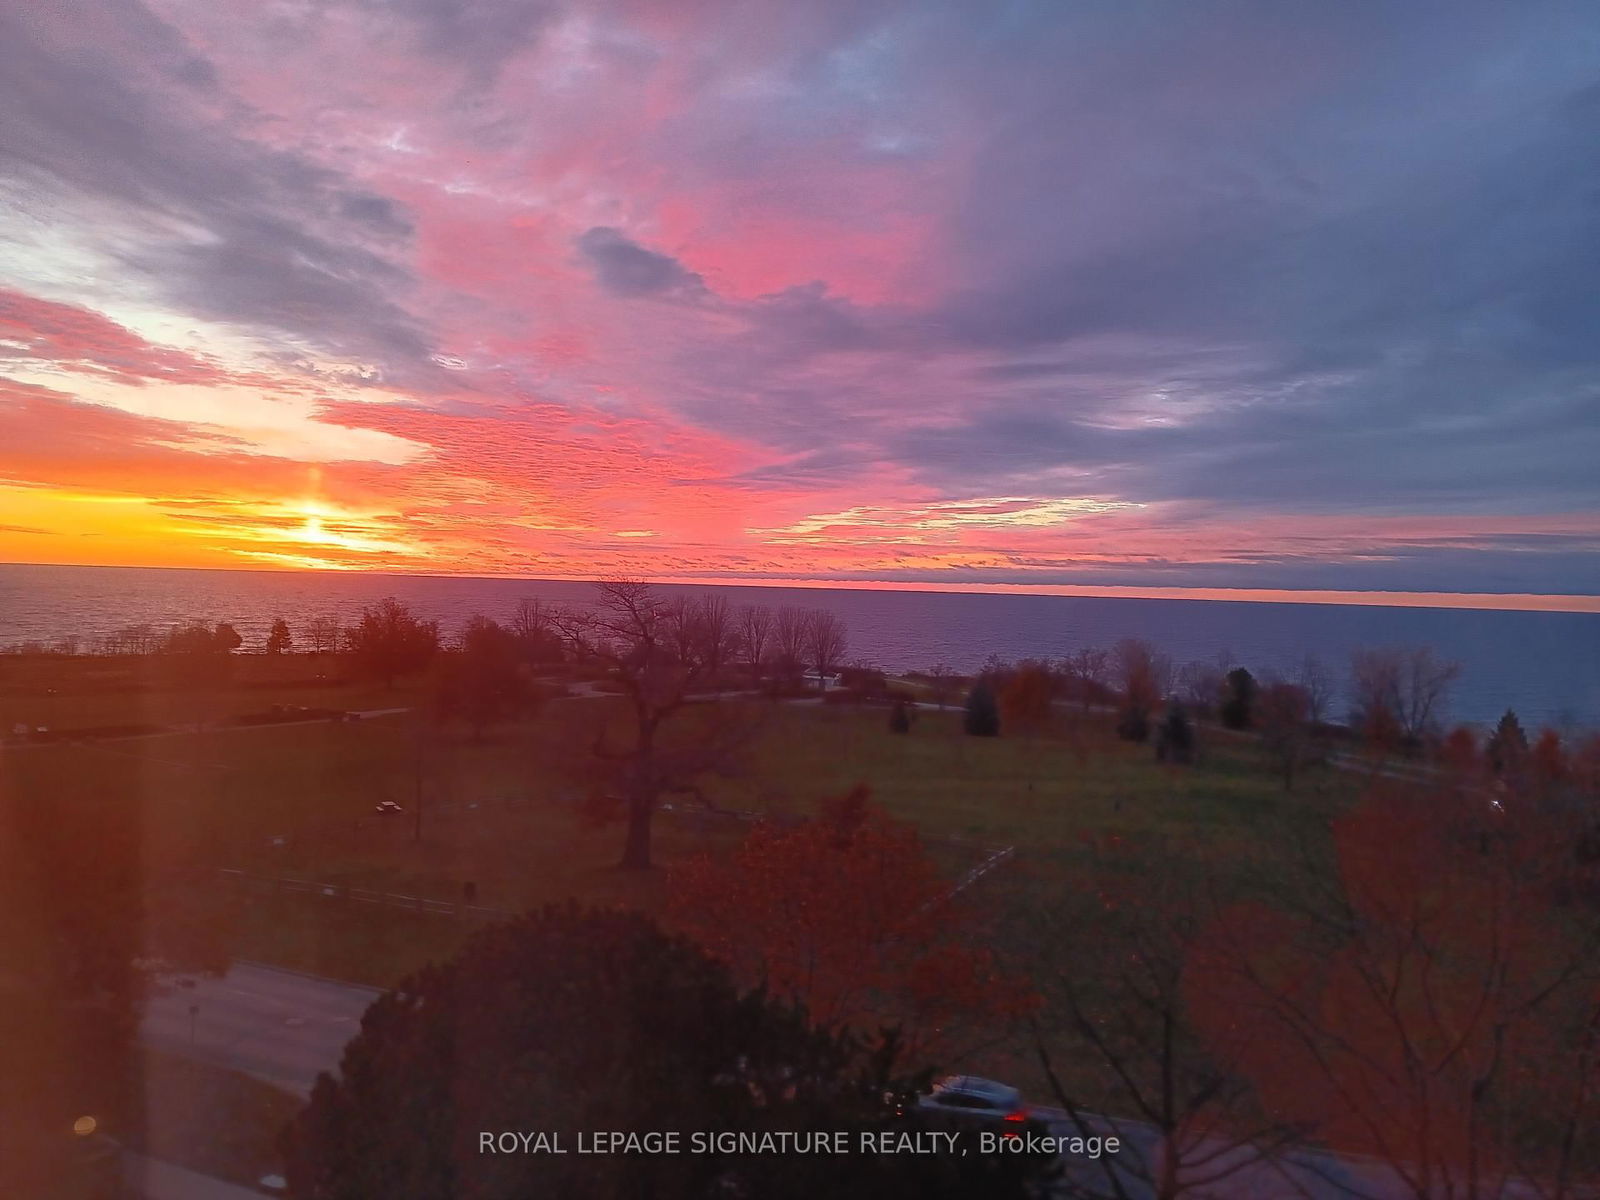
pixel 993 861
pixel 284 885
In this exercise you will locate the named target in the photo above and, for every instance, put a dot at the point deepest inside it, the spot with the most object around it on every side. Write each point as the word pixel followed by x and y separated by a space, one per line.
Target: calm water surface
pixel 1545 665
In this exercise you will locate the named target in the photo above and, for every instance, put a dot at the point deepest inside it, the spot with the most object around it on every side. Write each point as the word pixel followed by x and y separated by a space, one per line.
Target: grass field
pixel 502 814
pixel 1037 792
pixel 210 1119
pixel 63 693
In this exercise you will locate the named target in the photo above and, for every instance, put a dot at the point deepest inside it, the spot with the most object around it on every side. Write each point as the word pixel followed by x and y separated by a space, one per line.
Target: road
pixel 167 1181
pixel 1213 1168
pixel 283 1027
pixel 278 1026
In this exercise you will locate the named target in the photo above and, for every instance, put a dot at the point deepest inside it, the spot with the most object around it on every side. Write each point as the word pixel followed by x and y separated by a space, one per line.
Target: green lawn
pixel 210 1119
pixel 1037 793
pixel 84 692
pixel 503 813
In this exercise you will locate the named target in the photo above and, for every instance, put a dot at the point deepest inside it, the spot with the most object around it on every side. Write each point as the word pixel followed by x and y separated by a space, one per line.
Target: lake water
pixel 1545 665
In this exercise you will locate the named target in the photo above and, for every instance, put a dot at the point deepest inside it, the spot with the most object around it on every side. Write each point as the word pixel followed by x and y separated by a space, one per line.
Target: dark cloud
pixel 626 268
pixel 477 34
pixel 285 245
pixel 1347 253
pixel 379 212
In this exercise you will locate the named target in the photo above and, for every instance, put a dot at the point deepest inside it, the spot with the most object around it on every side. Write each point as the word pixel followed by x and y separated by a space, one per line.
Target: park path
pixel 279 1026
pixel 157 1180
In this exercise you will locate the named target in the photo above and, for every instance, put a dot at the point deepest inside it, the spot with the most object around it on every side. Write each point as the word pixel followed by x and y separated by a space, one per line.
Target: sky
pixel 1280 296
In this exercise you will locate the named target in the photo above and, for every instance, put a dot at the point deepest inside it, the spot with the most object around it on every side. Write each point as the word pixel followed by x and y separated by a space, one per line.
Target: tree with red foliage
pixel 1585 767
pixel 1441 1016
pixel 1026 697
pixel 1547 763
pixel 847 914
pixel 1458 754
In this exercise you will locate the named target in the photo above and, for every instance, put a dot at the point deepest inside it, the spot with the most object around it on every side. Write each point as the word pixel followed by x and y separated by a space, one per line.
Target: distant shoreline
pixel 1543 663
pixel 1474 601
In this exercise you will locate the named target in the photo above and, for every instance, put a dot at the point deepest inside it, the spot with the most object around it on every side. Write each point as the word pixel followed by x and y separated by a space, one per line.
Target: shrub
pixel 982 717
pixel 900 718
pixel 1175 741
pixel 1239 699
pixel 1134 724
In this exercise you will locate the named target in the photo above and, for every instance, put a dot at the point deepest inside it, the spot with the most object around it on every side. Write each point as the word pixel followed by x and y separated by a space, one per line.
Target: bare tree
pixel 530 619
pixel 134 639
pixel 1283 718
pixel 1316 681
pixel 699 629
pixel 941 682
pixel 755 636
pixel 789 641
pixel 1112 973
pixel 718 634
pixel 1089 669
pixel 704 624
pixel 1400 686
pixel 634 634
pixel 1200 685
pixel 1425 682
pixel 324 635
pixel 681 624
pixel 535 639
pixel 826 641
pixel 1144 674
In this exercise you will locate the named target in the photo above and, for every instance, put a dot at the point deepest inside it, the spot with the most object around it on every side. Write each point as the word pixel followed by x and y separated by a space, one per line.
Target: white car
pixel 968 1100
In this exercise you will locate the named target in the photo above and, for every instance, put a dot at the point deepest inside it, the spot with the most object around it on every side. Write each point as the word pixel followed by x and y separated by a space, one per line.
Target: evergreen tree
pixel 1239 699
pixel 279 638
pixel 1508 745
pixel 1175 740
pixel 1134 724
pixel 982 718
pixel 900 718
pixel 569 1022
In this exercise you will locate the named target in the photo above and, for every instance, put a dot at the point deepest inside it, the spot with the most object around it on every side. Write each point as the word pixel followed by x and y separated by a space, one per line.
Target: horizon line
pixel 1374 598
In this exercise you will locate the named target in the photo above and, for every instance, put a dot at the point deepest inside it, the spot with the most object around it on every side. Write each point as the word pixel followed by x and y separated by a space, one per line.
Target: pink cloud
pixel 79 339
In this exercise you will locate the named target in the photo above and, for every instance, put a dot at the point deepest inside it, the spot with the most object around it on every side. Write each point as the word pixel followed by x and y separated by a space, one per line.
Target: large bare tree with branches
pixel 789 641
pixel 826 641
pixel 1400 688
pixel 1088 673
pixel 754 636
pixel 657 650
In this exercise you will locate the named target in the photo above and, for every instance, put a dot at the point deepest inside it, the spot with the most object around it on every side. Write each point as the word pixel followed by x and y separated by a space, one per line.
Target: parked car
pixel 385 807
pixel 970 1102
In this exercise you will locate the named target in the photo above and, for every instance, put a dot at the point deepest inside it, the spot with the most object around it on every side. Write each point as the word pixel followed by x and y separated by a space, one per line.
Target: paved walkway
pixel 279 1026
pixel 157 1180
